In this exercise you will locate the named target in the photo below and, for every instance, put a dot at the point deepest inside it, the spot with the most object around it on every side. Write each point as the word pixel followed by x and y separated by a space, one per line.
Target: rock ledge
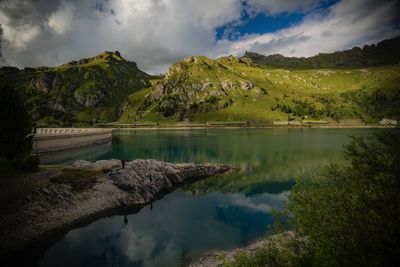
pixel 54 207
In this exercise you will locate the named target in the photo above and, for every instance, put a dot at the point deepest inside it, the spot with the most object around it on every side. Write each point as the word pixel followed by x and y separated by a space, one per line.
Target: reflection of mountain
pixel 267 160
pixel 273 172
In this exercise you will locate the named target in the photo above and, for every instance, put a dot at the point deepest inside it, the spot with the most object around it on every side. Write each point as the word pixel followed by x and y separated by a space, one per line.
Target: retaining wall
pixel 55 139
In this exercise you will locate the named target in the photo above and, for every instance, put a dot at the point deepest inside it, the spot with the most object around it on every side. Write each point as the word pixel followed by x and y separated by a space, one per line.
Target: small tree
pixel 16 129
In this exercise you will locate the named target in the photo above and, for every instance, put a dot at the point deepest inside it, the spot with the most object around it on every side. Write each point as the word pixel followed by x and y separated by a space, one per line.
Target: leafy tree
pixel 351 215
pixel 16 129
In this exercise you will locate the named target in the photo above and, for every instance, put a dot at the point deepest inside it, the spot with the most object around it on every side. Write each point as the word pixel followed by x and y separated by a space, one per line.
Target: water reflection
pixel 180 226
pixel 264 157
pixel 217 213
pixel 92 152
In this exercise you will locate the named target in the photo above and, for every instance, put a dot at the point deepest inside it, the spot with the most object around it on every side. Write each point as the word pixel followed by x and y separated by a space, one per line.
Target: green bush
pixel 283 250
pixel 351 214
pixel 16 130
pixel 26 162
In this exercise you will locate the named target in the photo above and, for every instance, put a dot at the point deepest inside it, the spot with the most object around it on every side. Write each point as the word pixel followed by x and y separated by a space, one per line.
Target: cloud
pixel 61 21
pixel 276 7
pixel 348 23
pixel 156 33
pixel 21 35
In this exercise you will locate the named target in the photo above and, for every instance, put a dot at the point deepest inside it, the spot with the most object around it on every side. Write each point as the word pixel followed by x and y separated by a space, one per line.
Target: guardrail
pixel 70 131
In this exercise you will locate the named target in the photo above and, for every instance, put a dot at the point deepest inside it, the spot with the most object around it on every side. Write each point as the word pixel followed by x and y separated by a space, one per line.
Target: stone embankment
pixel 54 207
pixel 55 139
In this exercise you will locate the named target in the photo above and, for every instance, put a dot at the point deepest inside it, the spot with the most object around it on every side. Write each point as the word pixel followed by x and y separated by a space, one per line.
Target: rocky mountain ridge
pixel 385 52
pixel 107 88
pixel 201 89
pixel 86 90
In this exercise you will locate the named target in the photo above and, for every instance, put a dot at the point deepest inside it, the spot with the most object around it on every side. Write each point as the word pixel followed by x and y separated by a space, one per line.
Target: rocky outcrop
pixel 245 85
pixel 43 82
pixel 100 165
pixel 218 93
pixel 91 98
pixel 55 206
pixel 96 84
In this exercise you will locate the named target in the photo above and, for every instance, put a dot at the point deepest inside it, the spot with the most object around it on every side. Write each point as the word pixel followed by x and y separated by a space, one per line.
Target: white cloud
pixel 21 35
pixel 349 23
pixel 275 7
pixel 61 21
pixel 156 33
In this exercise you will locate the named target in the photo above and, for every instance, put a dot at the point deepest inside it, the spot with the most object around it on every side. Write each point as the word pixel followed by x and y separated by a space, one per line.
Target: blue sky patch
pixel 263 23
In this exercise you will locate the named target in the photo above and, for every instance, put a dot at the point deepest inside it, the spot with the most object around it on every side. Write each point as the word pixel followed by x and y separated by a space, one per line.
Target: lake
pixel 221 212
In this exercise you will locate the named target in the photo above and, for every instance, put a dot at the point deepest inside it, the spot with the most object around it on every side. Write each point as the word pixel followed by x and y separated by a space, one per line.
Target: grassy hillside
pixel 199 89
pixel 107 88
pixel 87 91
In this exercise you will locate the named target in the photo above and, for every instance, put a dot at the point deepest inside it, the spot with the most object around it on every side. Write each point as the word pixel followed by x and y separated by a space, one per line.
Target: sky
pixel 157 33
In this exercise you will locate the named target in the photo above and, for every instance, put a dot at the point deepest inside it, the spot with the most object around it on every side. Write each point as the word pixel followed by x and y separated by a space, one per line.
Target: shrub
pixel 16 130
pixel 351 214
pixel 26 162
pixel 283 250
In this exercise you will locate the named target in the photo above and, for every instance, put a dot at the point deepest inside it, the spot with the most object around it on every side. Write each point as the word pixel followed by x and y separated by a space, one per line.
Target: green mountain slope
pixel 386 52
pixel 107 88
pixel 81 92
pixel 200 89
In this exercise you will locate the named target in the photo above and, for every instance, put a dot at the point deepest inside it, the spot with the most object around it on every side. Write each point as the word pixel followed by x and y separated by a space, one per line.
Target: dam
pixel 57 139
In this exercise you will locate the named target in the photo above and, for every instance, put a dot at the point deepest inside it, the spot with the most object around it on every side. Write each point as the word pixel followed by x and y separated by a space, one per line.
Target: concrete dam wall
pixel 56 139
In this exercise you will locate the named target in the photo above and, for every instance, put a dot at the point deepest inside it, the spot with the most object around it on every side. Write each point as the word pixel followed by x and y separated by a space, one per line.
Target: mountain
pixel 386 52
pixel 108 88
pixel 200 89
pixel 86 91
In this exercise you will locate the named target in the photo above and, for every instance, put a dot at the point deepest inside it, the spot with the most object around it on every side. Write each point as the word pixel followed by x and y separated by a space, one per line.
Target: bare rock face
pixel 218 93
pixel 246 85
pixel 46 210
pixel 160 175
pixel 226 85
pixel 43 82
pixel 57 81
pixel 90 99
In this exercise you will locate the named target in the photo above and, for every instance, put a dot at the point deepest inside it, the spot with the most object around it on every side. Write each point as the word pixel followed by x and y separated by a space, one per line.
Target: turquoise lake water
pixel 217 213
